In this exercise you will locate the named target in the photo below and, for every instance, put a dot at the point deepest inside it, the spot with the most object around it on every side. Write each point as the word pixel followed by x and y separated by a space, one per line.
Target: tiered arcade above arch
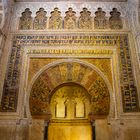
pixel 70 21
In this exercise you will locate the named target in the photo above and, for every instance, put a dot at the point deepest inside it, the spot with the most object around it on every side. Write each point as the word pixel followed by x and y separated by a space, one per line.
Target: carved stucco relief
pixel 63 7
pixel 70 21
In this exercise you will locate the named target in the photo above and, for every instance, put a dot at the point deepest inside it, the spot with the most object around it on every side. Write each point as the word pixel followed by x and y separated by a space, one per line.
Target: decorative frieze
pixel 82 39
pixel 70 21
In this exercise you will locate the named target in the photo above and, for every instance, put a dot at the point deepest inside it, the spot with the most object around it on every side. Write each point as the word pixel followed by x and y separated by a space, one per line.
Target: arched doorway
pixel 49 102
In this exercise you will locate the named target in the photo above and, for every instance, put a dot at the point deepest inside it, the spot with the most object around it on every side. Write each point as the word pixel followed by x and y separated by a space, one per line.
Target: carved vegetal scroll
pixel 40 20
pixel 25 20
pixel 70 19
pixel 55 21
pixel 100 21
pixel 85 20
pixel 115 21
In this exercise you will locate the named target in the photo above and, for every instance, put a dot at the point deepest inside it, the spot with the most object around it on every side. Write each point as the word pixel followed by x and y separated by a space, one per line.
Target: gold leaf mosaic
pixel 63 73
pixel 37 63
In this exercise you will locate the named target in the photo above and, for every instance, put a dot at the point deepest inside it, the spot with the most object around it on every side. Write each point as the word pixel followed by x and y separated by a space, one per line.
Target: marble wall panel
pixel 102 130
pixel 8 131
pixel 36 130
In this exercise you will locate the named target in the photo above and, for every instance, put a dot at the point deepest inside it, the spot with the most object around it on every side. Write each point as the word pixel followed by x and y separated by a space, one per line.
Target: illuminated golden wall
pixel 70 101
pixel 66 131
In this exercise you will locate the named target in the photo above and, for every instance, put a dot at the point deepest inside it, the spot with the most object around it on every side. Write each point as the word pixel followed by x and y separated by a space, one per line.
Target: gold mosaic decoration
pixel 100 97
pixel 52 78
pixel 40 102
pixel 36 64
pixel 103 64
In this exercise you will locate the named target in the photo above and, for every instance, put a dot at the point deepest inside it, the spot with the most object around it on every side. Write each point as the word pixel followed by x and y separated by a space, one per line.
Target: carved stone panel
pixel 40 20
pixel 85 20
pixel 55 21
pixel 25 20
pixel 70 19
pixel 115 21
pixel 100 21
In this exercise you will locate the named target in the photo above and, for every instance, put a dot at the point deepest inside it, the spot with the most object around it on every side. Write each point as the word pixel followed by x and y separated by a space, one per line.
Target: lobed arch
pixel 91 71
